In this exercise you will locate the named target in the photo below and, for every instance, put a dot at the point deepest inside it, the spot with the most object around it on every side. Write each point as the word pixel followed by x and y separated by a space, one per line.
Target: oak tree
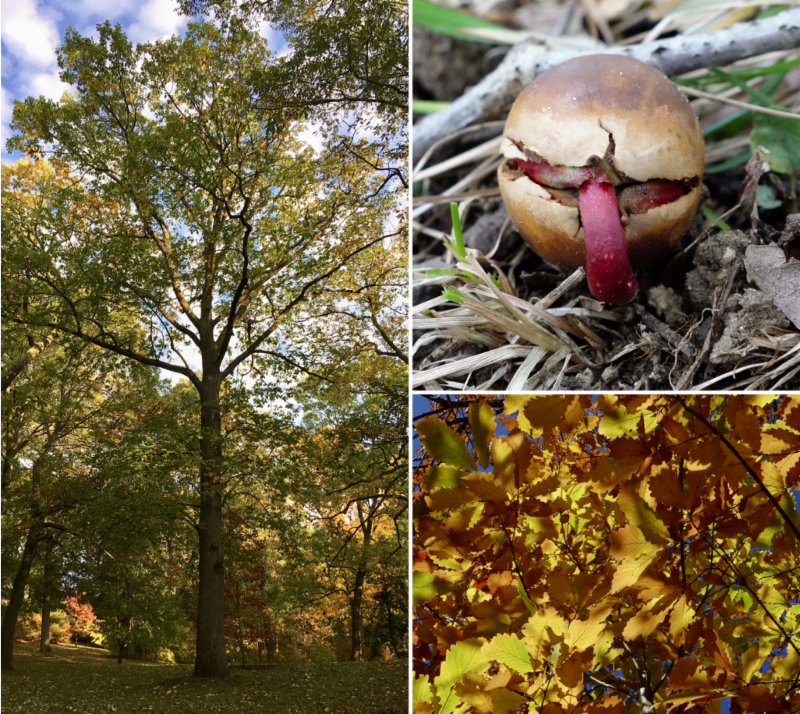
pixel 197 216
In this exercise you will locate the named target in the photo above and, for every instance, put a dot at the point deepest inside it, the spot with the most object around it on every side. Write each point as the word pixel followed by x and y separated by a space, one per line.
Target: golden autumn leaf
pixel 583 634
pixel 482 422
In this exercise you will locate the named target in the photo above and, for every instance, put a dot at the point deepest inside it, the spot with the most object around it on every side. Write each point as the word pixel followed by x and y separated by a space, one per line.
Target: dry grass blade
pixel 517 383
pixel 488 148
pixel 533 334
pixel 470 364
pixel 744 105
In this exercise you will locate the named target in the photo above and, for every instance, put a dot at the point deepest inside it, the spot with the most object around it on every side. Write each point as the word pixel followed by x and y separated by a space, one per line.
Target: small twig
pixel 744 105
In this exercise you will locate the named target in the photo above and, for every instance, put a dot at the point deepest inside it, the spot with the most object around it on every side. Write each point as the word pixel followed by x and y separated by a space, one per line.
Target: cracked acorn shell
pixel 611 107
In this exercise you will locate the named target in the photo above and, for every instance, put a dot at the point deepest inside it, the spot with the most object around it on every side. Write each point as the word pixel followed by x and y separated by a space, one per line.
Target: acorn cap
pixel 571 112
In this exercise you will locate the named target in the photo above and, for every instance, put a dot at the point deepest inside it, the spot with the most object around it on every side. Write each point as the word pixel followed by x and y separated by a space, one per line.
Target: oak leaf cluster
pixel 588 555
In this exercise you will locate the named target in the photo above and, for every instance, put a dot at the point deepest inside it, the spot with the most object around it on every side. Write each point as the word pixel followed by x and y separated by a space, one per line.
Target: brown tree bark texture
pixel 16 599
pixel 211 659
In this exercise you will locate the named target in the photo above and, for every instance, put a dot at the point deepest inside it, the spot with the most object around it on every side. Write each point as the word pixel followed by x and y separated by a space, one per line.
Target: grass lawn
pixel 89 681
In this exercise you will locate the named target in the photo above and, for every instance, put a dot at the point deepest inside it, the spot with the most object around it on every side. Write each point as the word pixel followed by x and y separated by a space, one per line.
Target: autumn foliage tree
pixel 614 554
pixel 197 216
pixel 82 620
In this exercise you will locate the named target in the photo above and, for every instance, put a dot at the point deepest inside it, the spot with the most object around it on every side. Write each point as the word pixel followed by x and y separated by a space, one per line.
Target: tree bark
pixel 47 587
pixel 16 599
pixel 211 659
pixel 239 618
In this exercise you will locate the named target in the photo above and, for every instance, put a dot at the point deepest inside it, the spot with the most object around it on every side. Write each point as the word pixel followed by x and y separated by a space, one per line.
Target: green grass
pixel 89 681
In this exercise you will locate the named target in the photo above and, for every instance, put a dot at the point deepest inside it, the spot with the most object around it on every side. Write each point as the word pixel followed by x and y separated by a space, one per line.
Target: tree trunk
pixel 356 616
pixel 124 643
pixel 239 618
pixel 211 659
pixel 47 587
pixel 16 599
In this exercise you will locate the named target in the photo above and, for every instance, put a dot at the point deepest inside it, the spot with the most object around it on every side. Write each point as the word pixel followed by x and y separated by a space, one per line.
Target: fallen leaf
pixel 778 279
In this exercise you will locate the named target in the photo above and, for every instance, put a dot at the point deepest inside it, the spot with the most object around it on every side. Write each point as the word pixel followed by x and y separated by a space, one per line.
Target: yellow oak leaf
pixel 629 542
pixel 505 701
pixel 548 411
pixel 583 634
pixel 543 628
pixel 628 572
pixel 642 516
pixel 680 619
pixel 443 444
pixel 471 691
pixel 646 620
pixel 482 422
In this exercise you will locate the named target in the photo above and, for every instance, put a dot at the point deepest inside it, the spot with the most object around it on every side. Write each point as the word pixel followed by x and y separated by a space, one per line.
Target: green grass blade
pixel 711 216
pixel 459 244
pixel 729 164
pixel 427 106
pixel 447 21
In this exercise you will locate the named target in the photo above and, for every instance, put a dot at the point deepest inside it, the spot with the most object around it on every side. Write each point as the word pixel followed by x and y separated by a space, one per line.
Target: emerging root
pixel 596 191
pixel 607 267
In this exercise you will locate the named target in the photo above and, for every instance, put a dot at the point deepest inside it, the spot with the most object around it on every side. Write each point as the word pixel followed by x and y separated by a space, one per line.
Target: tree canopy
pixel 607 554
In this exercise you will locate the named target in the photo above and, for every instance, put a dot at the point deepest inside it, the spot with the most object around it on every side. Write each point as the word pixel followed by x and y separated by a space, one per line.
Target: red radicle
pixel 608 269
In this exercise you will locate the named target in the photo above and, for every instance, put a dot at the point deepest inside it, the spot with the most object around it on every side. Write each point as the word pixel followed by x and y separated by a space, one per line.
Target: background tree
pixel 202 219
pixel 610 554
pixel 50 418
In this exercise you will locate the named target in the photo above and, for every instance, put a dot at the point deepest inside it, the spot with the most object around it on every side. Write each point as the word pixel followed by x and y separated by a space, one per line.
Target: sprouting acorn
pixel 603 166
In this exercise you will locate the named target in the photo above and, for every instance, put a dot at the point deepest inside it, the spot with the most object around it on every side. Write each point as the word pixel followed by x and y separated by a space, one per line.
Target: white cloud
pixel 6 108
pixel 103 9
pixel 157 20
pixel 47 84
pixel 312 135
pixel 30 31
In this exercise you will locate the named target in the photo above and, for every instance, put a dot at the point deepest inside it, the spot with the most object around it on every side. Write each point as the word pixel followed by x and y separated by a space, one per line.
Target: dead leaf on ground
pixel 778 279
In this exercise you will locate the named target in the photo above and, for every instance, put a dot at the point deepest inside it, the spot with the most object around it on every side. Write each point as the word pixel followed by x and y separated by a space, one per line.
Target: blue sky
pixel 32 30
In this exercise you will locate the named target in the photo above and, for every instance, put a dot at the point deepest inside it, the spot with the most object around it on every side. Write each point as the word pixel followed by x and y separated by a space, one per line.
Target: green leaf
pixel 509 650
pixel 442 476
pixel 448 21
pixel 424 589
pixel 462 657
pixel 443 444
pixel 482 422
pixel 421 689
pixel 766 197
